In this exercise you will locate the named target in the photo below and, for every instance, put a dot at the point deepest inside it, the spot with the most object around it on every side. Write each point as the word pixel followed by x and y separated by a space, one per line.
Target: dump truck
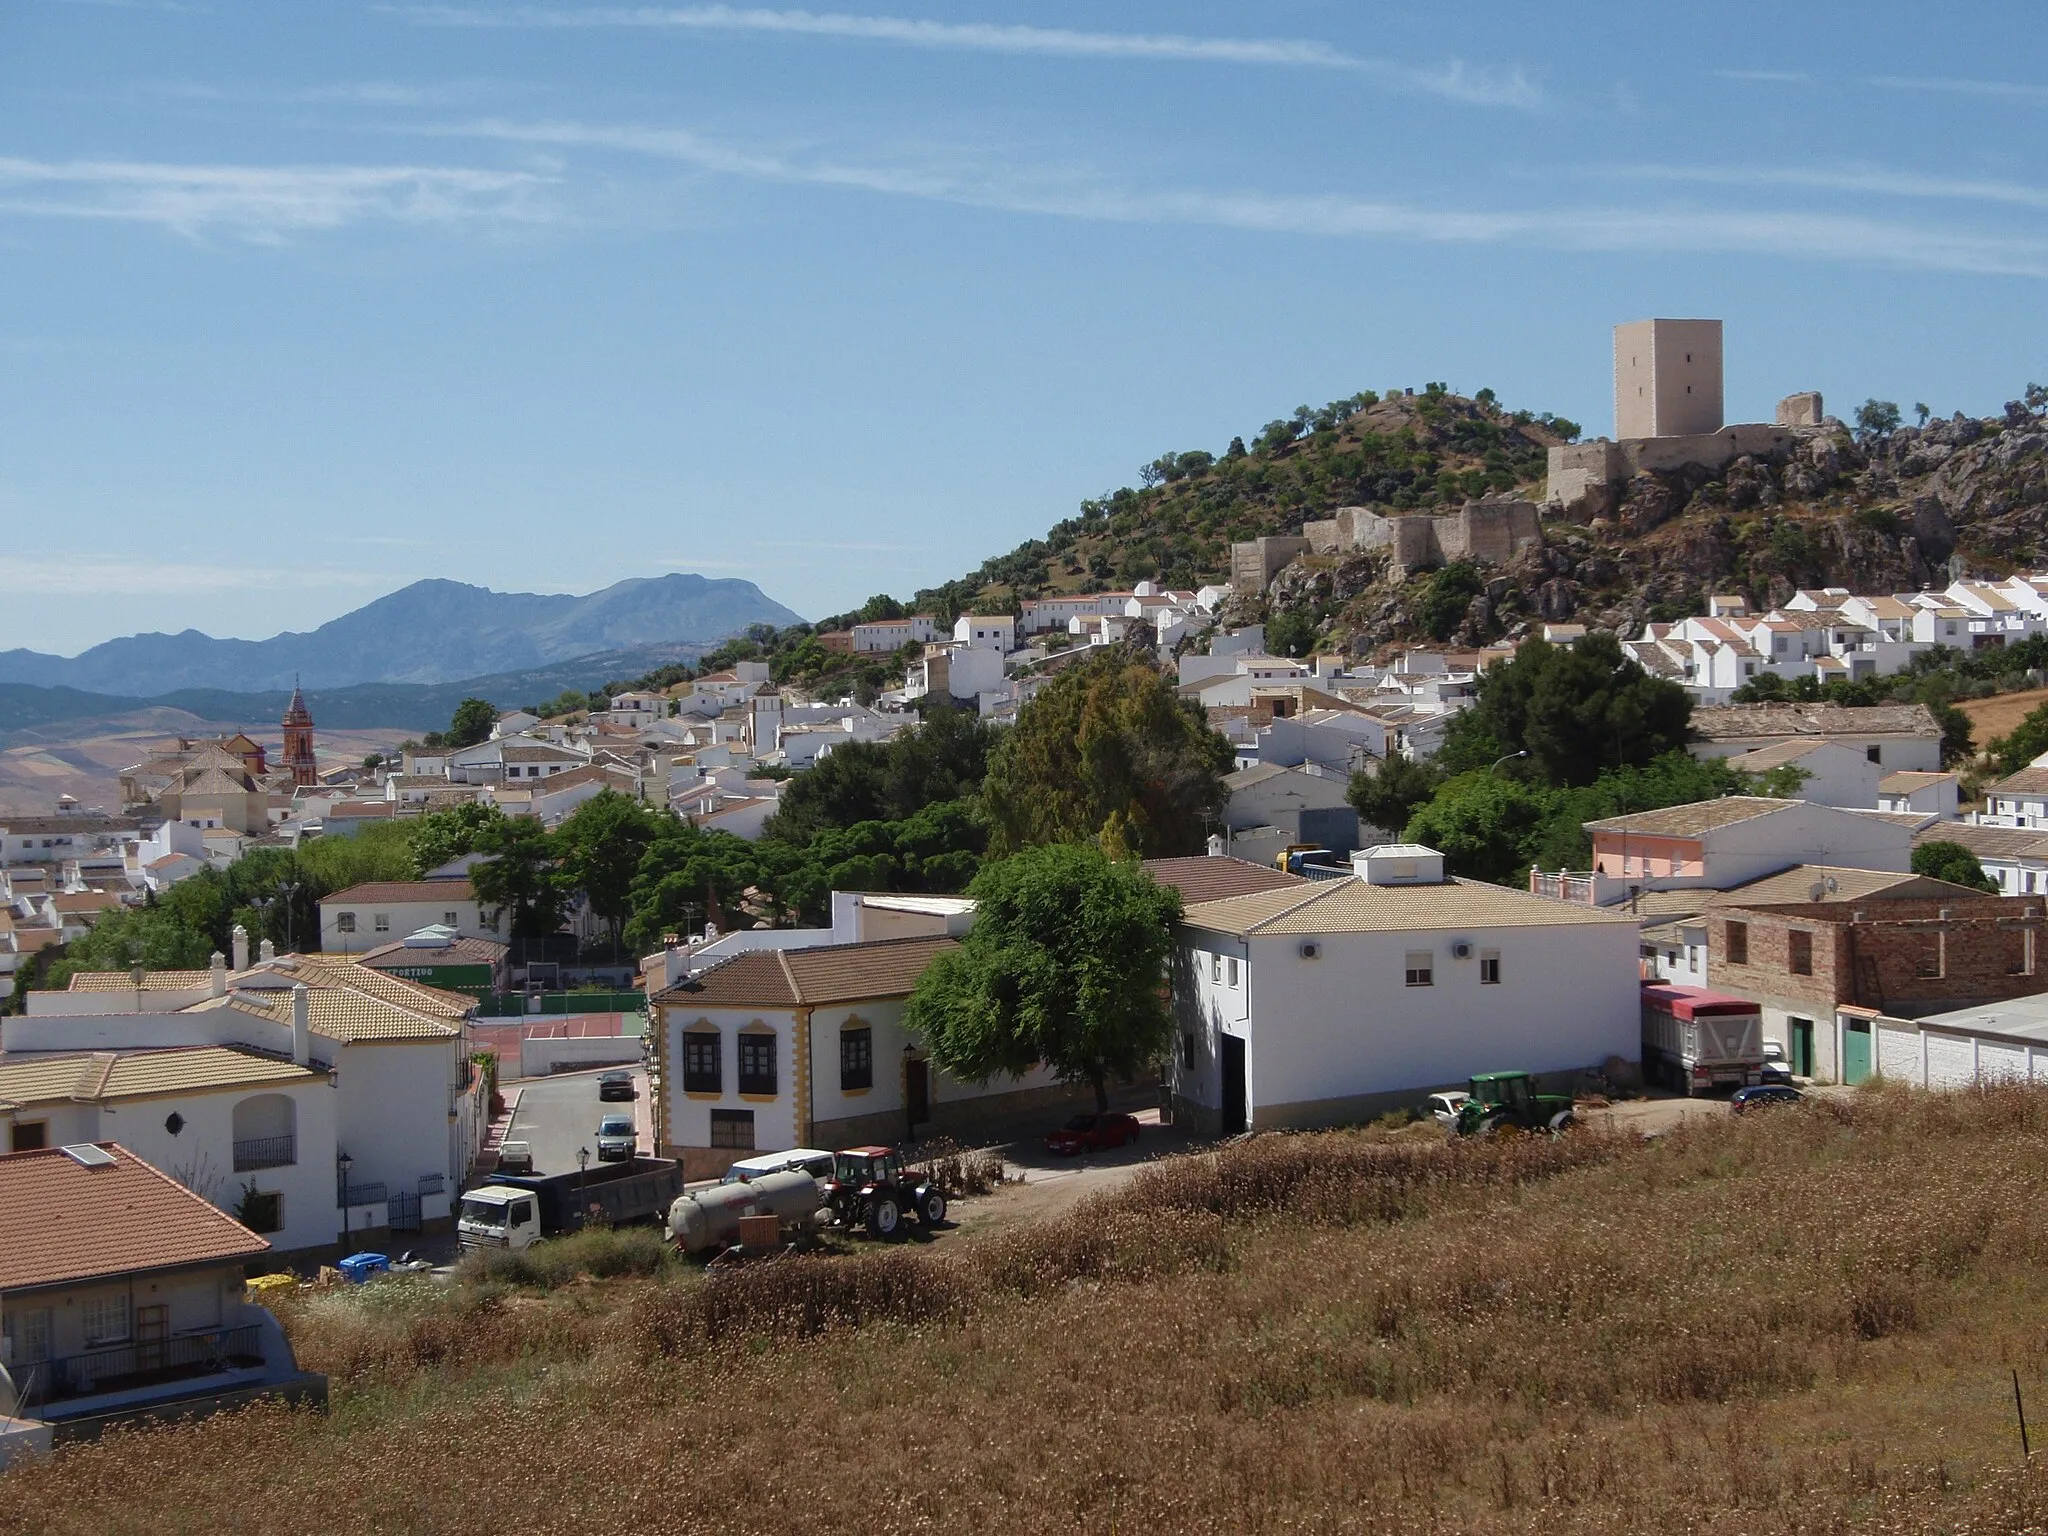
pixel 1694 1039
pixel 513 1212
pixel 1510 1099
pixel 710 1218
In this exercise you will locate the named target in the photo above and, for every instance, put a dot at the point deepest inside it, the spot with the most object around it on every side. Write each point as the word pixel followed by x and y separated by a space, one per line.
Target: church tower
pixel 298 741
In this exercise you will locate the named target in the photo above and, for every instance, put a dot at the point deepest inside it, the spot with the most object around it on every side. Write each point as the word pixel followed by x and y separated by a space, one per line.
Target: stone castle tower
pixel 298 742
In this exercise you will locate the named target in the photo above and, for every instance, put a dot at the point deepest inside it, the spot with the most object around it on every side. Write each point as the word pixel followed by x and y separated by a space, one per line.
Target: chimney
pixel 217 985
pixel 1215 845
pixel 302 1028
pixel 240 946
pixel 266 951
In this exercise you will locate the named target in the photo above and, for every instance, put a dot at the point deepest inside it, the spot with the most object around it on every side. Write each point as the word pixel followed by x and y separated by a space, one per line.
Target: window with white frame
pixel 1230 971
pixel 1489 967
pixel 1216 967
pixel 383 922
pixel 345 923
pixel 1421 968
pixel 450 919
pixel 105 1320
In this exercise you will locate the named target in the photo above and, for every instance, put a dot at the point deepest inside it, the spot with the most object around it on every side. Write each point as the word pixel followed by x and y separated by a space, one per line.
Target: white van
pixel 817 1164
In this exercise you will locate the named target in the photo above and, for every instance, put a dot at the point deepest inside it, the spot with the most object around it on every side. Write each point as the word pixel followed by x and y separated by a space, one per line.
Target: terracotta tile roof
pixel 1692 819
pixel 1353 906
pixel 463 951
pixel 1777 754
pixel 1735 722
pixel 801 978
pixel 1203 878
pixel 1797 883
pixel 2028 781
pixel 1988 842
pixel 140 1074
pixel 63 1222
pixel 152 981
pixel 399 891
pixel 1906 781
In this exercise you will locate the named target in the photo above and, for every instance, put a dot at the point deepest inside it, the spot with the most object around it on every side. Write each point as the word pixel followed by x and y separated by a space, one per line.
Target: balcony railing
pixel 363 1194
pixel 266 1152
pixel 139 1363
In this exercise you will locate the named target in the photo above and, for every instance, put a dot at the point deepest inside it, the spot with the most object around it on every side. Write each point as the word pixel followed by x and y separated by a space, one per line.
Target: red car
pixel 1092 1133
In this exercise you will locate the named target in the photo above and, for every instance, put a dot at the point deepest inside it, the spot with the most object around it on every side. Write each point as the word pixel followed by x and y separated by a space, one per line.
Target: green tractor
pixel 1510 1098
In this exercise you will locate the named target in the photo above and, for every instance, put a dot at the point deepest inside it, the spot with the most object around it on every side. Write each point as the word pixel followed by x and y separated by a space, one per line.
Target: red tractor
pixel 871 1189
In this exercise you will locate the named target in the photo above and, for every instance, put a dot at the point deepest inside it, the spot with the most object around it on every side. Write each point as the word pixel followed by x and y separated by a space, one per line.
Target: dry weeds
pixel 1796 1322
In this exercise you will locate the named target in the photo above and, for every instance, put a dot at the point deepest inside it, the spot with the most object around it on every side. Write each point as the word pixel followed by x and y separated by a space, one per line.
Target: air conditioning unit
pixel 1461 949
pixel 1310 949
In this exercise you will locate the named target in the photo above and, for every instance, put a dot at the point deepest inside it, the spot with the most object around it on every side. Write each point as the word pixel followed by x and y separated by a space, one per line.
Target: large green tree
pixel 441 837
pixel 599 846
pixel 1388 795
pixel 520 877
pixel 1062 967
pixel 1576 710
pixel 1952 862
pixel 472 722
pixel 1107 752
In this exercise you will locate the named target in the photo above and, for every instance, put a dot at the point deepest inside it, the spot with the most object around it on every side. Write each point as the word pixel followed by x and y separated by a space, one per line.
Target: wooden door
pixel 917 1091
pixel 152 1327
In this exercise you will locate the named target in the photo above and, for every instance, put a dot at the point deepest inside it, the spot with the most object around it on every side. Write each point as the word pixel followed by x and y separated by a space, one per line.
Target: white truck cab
pixel 499 1216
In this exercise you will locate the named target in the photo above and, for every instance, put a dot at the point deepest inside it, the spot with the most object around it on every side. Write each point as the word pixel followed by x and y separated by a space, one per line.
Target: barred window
pixel 757 1064
pixel 733 1129
pixel 700 1064
pixel 856 1058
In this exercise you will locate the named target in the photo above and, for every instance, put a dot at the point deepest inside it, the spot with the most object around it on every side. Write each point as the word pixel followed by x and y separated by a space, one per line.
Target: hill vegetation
pixel 1342 1331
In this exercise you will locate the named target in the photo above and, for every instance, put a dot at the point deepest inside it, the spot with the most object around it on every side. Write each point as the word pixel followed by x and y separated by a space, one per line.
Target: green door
pixel 1856 1051
pixel 1802 1047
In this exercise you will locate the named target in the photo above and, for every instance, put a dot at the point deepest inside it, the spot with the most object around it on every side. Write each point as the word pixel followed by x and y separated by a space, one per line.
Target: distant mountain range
pixel 32 714
pixel 432 632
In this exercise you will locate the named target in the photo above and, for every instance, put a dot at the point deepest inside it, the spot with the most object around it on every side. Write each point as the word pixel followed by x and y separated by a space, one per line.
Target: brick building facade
pixel 1801 961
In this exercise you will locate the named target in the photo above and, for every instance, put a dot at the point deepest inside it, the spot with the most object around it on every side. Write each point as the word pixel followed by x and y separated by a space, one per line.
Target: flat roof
pixel 1352 905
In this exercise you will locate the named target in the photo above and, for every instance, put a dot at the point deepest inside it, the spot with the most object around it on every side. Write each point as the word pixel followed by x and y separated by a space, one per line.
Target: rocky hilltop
pixel 1819 505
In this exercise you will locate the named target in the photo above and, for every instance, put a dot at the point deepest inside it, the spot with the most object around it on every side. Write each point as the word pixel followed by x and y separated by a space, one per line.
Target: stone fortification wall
pixel 1491 530
pixel 1257 561
pixel 1583 477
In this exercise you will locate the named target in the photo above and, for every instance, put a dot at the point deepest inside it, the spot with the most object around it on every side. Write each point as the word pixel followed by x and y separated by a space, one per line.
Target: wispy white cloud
pixel 263 203
pixel 2006 89
pixel 343 93
pixel 1862 181
pixel 1453 80
pixel 1080 196
pixel 84 575
pixel 1764 76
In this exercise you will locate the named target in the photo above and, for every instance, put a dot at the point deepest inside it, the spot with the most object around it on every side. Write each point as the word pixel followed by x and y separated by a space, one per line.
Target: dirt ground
pixel 1998 714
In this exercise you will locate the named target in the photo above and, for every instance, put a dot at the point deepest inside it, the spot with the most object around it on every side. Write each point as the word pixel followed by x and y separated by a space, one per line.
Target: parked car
pixel 1776 1068
pixel 515 1157
pixel 616 1084
pixel 1764 1097
pixel 817 1164
pixel 1092 1133
pixel 616 1138
pixel 1443 1107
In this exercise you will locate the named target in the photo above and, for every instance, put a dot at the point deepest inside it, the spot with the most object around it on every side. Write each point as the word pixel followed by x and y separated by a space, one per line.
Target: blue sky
pixel 299 303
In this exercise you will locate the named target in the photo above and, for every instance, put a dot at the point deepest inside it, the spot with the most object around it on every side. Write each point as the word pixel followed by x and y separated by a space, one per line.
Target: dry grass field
pixel 1802 1321
pixel 1997 715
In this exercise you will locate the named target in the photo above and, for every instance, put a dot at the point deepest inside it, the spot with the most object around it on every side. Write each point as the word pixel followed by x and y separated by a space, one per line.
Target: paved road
pixel 557 1115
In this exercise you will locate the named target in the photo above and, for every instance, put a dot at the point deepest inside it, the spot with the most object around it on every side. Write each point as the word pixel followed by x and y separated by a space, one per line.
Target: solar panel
pixel 86 1155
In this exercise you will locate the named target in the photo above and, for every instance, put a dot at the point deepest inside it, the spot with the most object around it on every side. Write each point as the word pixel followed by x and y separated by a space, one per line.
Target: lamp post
pixel 582 1162
pixel 909 1115
pixel 289 889
pixel 342 1163
pixel 1507 757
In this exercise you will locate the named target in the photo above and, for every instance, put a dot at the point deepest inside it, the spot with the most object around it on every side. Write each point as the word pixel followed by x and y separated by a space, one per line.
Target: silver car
pixel 1443 1107
pixel 616 1139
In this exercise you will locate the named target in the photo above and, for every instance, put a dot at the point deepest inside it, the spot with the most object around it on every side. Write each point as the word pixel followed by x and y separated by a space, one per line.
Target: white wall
pixel 1345 1025
pixel 400 918
pixel 395 1097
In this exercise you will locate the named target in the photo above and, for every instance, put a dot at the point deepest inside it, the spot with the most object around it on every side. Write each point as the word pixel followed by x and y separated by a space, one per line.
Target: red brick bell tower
pixel 298 741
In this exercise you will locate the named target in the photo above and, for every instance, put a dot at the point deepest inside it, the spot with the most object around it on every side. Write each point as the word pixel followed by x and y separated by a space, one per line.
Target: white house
pixel 1937 794
pixel 227 1122
pixel 2017 800
pixel 1893 736
pixel 806 1048
pixel 884 635
pixel 2015 857
pixel 1835 774
pixel 1270 807
pixel 365 916
pixel 406 1112
pixel 1341 999
pixel 986 631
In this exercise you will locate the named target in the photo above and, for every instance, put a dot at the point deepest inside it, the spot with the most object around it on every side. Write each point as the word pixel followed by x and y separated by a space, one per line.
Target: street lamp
pixel 289 889
pixel 582 1162
pixel 1507 757
pixel 342 1163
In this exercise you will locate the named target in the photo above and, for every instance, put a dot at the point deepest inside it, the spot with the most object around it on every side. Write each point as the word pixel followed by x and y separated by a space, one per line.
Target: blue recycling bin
pixel 361 1266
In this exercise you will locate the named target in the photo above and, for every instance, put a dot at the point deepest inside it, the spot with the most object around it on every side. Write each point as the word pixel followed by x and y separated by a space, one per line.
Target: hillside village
pixel 314 1012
